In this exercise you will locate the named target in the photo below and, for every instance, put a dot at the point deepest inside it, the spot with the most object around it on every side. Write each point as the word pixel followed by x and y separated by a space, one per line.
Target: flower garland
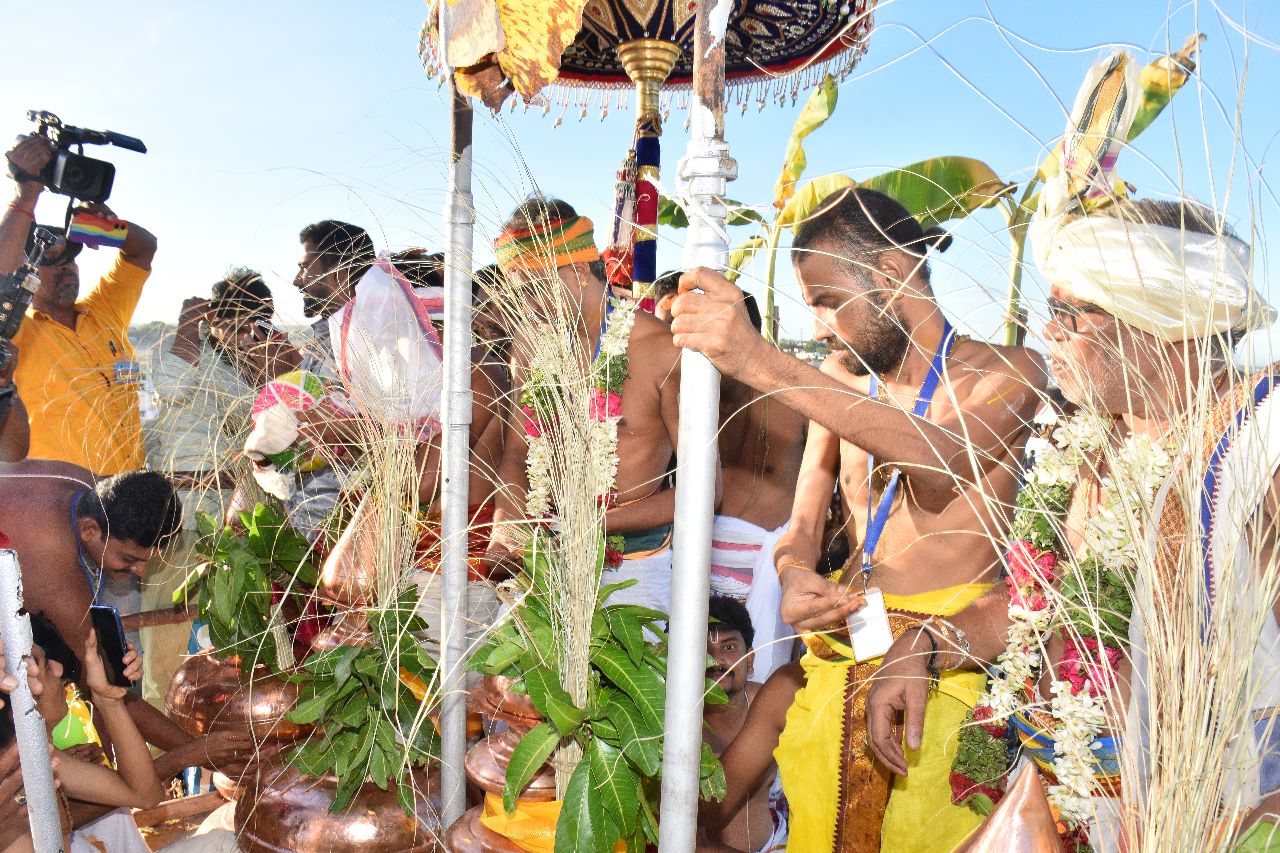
pixel 538 401
pixel 1091 609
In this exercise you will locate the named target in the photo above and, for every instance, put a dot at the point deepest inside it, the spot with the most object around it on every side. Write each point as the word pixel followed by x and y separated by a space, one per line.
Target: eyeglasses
pixel 1068 316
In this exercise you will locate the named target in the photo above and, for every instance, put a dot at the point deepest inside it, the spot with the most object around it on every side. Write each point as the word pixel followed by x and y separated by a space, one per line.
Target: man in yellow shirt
pixel 78 370
pixel 78 373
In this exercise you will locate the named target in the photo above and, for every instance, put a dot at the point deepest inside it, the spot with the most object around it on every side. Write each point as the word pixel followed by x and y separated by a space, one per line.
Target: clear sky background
pixel 263 117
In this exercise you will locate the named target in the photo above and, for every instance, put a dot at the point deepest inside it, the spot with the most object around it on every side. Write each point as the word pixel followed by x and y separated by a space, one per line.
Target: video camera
pixel 73 174
pixel 17 288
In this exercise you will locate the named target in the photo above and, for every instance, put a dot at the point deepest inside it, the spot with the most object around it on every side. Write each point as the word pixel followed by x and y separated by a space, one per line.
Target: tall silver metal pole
pixel 459 222
pixel 33 739
pixel 705 172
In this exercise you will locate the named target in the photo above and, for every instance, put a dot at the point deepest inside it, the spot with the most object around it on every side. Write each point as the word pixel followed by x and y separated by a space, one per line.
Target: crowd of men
pixel 896 463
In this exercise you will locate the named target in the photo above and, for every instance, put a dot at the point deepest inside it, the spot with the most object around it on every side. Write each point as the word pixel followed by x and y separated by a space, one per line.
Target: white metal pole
pixel 705 172
pixel 33 739
pixel 455 453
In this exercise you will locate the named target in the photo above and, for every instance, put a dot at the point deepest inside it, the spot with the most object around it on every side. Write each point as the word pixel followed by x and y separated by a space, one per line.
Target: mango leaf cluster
pixel 371 721
pixel 612 795
pixel 235 584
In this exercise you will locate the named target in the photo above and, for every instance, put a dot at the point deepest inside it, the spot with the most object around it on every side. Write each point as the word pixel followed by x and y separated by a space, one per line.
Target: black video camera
pixel 71 173
pixel 17 288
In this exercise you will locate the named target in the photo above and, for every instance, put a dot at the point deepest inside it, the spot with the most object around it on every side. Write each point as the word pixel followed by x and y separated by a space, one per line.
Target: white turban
pixel 1170 282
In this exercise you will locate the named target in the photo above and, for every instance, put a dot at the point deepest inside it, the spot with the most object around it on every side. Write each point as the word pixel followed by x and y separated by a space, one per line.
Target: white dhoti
pixel 652 574
pixel 481 614
pixel 742 567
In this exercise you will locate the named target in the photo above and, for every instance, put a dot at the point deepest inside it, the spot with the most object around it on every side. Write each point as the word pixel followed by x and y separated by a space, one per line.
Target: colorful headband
pixel 556 244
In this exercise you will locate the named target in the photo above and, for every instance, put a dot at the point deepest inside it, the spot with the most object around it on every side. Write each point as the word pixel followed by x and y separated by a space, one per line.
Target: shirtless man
pixel 761 445
pixel 758 823
pixel 546 233
pixel 934 451
pixel 70 531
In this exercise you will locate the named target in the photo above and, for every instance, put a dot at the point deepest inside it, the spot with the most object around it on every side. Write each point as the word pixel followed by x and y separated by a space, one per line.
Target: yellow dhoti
pixel 841 800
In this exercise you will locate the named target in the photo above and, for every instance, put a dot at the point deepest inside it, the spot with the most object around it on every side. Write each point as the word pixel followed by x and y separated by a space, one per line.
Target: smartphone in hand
pixel 111 642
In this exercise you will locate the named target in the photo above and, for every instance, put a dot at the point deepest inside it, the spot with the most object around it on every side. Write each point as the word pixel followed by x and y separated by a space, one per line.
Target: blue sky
pixel 262 117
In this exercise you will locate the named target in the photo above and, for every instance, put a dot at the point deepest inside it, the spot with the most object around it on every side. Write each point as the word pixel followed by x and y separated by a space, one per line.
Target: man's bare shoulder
pixel 651 345
pixel 836 366
pixel 779 691
pixel 41 474
pixel 998 362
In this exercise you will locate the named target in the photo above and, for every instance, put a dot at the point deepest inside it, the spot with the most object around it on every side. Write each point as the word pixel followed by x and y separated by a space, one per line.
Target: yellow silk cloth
pixel 531 827
pixel 841 799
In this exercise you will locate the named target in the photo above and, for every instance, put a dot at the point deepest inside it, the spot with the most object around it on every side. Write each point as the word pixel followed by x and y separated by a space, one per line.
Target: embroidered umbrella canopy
pixel 774 50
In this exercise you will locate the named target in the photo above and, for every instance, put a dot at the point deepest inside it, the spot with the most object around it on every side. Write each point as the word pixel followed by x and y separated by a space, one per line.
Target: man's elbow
pixel 150 798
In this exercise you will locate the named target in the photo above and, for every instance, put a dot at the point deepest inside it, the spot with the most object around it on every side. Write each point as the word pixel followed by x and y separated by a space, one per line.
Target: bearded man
pixel 1165 505
pixel 922 430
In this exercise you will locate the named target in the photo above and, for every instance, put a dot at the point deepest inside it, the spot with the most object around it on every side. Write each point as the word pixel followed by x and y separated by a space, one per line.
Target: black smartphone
pixel 111 642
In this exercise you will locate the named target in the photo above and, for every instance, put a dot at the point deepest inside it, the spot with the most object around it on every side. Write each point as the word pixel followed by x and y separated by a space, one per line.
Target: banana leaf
pixel 942 188
pixel 672 215
pixel 817 109
pixel 739 257
pixel 1162 79
pixel 811 196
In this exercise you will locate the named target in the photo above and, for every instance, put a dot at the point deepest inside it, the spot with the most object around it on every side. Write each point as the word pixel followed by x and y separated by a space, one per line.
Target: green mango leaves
pixel 612 794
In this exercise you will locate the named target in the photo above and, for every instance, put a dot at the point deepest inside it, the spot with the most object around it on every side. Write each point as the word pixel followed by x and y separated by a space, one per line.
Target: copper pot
pixel 468 835
pixel 283 810
pixel 487 761
pixel 349 628
pixel 349 573
pixel 208 694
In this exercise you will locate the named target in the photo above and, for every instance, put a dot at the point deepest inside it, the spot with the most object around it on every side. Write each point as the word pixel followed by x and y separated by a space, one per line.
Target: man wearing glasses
pixel 78 373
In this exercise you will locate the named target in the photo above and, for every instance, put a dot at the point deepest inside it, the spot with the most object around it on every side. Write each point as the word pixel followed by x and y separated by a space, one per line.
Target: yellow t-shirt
pixel 81 387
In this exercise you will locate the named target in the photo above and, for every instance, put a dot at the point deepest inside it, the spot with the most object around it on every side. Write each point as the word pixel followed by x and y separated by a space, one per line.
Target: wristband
pixel 30 214
pixel 931 665
pixel 792 564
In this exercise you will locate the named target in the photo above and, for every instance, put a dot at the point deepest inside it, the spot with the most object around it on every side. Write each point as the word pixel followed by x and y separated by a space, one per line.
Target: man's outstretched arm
pixel 996 406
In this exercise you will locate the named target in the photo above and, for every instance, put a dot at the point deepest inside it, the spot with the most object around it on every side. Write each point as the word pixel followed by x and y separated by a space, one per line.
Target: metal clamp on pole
pixel 455 453
pixel 33 739
pixel 705 172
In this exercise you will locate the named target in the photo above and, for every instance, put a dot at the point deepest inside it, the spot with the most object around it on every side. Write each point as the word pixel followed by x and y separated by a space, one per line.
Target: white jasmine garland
pixel 1138 469
pixel 601 435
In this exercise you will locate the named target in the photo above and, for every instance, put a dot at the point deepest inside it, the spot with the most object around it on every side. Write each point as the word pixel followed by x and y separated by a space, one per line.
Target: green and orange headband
pixel 552 245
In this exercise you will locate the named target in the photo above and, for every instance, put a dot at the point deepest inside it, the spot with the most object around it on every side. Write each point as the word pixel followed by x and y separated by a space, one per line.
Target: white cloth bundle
pixel 1169 282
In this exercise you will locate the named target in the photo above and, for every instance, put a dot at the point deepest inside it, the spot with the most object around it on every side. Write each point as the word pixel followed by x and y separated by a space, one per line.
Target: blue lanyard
pixel 604 325
pixel 95 584
pixel 876 522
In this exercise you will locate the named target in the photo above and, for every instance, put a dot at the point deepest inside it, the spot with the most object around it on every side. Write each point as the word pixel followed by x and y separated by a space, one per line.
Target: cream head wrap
pixel 1170 282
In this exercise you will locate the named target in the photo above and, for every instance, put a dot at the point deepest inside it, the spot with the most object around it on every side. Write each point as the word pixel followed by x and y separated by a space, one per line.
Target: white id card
pixel 869 632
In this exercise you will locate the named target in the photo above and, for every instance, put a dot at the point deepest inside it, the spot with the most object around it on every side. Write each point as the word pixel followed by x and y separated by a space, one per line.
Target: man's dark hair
pixel 1183 214
pixel 420 267
pixel 667 284
pixel 240 291
pixel 47 636
pixel 140 506
pixel 341 245
pixel 857 226
pixel 730 614
pixel 487 281
pixel 538 212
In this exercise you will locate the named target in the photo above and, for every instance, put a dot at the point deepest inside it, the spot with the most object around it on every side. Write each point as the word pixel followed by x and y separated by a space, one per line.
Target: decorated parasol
pixel 774 50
